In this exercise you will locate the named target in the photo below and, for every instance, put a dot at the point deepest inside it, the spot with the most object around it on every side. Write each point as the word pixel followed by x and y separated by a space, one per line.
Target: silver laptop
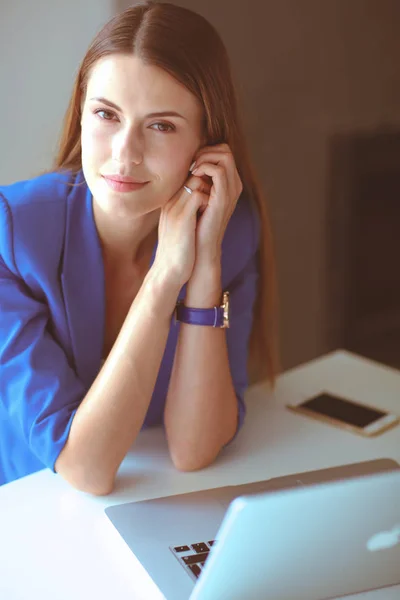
pixel 310 536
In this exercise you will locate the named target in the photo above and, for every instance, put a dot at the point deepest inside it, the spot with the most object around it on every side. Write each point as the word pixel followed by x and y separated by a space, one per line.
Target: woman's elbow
pixel 186 463
pixel 100 490
pixel 83 480
pixel 89 487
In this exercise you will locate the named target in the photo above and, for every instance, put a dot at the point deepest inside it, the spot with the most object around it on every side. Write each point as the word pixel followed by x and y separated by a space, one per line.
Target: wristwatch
pixel 218 316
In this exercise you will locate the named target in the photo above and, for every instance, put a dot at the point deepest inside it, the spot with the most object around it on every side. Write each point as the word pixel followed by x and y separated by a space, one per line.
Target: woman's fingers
pixel 197 186
pixel 176 251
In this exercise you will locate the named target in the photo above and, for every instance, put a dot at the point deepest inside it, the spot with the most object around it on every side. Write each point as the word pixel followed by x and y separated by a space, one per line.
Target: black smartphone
pixel 349 414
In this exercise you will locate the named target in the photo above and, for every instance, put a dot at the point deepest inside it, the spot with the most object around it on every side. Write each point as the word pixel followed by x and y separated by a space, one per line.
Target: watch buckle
pixel 225 307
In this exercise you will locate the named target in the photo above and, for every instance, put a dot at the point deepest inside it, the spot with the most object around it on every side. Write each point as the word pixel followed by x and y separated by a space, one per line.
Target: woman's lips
pixel 119 186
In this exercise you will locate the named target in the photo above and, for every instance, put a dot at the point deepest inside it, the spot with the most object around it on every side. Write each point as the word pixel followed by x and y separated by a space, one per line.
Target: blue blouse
pixel 52 314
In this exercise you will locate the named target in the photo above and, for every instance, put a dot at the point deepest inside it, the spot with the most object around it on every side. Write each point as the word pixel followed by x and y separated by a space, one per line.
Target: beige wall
pixel 307 69
pixel 41 46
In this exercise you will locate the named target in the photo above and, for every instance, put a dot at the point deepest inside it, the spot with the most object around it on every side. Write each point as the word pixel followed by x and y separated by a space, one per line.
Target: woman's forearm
pixel 112 412
pixel 201 407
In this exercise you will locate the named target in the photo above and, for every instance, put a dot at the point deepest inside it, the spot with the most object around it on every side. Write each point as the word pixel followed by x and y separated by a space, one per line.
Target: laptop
pixel 309 536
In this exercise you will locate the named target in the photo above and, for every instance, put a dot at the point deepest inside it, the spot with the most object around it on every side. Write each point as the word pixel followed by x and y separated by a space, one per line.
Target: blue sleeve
pixel 38 389
pixel 243 291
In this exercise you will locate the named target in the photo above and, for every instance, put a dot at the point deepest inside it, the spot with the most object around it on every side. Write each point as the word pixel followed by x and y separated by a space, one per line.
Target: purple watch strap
pixel 213 317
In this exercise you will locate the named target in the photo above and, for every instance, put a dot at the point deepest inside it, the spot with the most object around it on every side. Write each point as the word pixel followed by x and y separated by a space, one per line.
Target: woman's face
pixel 125 140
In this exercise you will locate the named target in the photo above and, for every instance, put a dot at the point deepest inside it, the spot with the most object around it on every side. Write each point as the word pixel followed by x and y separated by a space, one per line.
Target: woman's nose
pixel 127 146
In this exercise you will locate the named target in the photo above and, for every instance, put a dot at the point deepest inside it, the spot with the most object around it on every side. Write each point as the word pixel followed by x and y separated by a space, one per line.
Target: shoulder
pixel 32 211
pixel 242 236
pixel 40 189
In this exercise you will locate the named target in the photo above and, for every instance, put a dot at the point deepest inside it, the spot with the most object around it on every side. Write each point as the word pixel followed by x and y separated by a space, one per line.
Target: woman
pixel 114 265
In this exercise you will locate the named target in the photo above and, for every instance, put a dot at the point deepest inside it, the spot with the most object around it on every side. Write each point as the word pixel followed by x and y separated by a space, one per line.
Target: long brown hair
pixel 187 46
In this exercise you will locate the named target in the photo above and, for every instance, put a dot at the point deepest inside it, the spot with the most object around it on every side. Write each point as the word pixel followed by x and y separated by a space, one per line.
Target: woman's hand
pixel 192 225
pixel 218 164
pixel 176 250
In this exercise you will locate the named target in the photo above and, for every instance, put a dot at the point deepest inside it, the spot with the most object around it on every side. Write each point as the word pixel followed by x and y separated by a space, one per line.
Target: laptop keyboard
pixel 192 557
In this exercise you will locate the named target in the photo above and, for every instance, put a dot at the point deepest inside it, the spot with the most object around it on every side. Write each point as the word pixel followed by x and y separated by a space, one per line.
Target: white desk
pixel 56 542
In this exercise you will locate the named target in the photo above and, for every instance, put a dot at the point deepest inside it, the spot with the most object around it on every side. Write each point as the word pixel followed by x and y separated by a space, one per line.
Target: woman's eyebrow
pixel 165 113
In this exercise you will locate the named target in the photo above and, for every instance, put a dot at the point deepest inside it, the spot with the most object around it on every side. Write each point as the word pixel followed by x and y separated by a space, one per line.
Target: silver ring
pixel 188 189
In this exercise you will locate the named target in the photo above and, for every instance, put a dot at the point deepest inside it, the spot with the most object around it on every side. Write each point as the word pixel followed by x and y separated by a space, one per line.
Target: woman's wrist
pixel 161 293
pixel 204 288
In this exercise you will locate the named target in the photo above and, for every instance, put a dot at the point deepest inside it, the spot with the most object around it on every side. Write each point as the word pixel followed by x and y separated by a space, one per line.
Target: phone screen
pixel 343 410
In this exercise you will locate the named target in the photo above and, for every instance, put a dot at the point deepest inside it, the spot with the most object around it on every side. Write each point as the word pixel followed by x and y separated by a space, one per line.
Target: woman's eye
pixel 105 112
pixel 170 127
